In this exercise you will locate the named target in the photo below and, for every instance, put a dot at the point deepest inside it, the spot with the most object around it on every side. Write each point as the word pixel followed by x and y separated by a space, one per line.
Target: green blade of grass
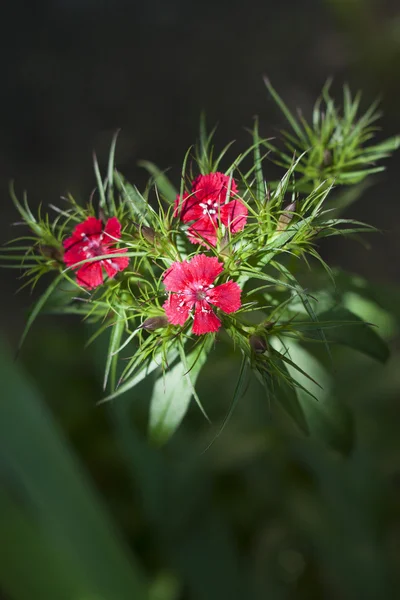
pixel 61 543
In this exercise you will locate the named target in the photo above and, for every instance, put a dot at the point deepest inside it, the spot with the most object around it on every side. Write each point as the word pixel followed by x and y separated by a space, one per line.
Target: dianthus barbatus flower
pixel 88 240
pixel 208 206
pixel 192 286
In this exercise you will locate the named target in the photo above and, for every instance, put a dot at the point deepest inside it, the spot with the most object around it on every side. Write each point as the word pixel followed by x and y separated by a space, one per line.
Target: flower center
pixel 94 246
pixel 202 292
pixel 201 295
pixel 210 207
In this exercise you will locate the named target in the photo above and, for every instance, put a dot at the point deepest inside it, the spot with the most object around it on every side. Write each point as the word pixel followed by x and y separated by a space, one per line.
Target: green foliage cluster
pixel 271 259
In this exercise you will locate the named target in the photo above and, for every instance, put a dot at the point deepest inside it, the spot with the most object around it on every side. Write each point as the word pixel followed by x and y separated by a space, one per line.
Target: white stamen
pixel 113 264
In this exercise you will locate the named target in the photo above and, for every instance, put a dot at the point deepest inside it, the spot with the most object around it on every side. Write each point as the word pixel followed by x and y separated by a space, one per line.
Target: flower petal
pixel 112 230
pixel 214 186
pixel 205 320
pixel 74 253
pixel 202 231
pixel 114 265
pixel 90 275
pixel 90 227
pixel 177 277
pixel 226 296
pixel 205 269
pixel 234 215
pixel 177 309
pixel 188 208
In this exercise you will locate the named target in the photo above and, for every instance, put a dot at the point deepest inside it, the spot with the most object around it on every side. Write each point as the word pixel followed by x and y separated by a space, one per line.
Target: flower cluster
pixel 164 270
pixel 212 202
pixel 91 240
pixel 191 282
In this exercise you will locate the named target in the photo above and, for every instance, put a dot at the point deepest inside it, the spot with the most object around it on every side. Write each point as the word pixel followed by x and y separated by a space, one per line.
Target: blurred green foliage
pixel 98 512
pixel 91 511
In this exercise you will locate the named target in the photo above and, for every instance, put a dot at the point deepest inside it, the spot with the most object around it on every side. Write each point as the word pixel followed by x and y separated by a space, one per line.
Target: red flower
pixel 89 240
pixel 208 206
pixel 192 285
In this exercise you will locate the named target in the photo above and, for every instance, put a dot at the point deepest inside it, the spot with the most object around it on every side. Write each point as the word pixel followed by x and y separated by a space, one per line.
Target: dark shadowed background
pixel 307 524
pixel 73 72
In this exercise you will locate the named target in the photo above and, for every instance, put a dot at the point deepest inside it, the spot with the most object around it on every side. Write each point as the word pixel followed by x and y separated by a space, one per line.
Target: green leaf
pixel 352 331
pixel 239 390
pixel 295 126
pixel 117 330
pixel 61 543
pixel 260 190
pixel 387 297
pixel 346 197
pixel 283 391
pixel 100 185
pixel 138 206
pixel 327 418
pixel 172 394
pixel 110 175
pixel 144 369
pixel 162 182
pixel 38 307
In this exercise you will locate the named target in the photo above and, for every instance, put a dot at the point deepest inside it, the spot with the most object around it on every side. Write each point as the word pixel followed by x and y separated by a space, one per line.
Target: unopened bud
pixel 148 233
pixel 51 252
pixel 286 216
pixel 225 249
pixel 153 323
pixel 327 160
pixel 258 344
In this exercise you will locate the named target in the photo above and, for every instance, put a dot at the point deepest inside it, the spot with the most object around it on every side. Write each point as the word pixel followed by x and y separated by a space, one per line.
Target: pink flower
pixel 89 240
pixel 191 284
pixel 208 206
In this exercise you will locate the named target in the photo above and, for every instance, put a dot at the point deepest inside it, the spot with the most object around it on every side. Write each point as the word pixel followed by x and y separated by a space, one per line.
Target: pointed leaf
pixel 171 396
pixel 161 180
pixel 353 332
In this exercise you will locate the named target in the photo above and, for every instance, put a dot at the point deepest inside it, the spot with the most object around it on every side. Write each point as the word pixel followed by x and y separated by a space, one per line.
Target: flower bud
pixel 225 249
pixel 51 252
pixel 327 159
pixel 153 323
pixel 258 344
pixel 286 216
pixel 148 233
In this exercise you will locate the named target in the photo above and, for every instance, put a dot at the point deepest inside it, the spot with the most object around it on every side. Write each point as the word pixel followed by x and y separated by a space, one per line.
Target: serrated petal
pixel 90 227
pixel 213 186
pixel 177 277
pixel 205 269
pixel 188 208
pixel 226 296
pixel 205 320
pixel 112 230
pixel 234 215
pixel 114 265
pixel 204 232
pixel 177 309
pixel 90 275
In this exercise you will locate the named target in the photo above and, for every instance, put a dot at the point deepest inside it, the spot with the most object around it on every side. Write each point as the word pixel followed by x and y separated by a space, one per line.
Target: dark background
pixel 310 525
pixel 75 71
